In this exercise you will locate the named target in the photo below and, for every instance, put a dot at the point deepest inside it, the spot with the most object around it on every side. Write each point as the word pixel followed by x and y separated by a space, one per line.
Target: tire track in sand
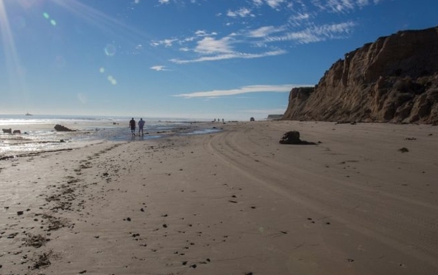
pixel 387 229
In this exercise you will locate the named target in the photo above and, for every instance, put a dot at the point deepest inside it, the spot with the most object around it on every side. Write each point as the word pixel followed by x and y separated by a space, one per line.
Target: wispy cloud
pixel 300 17
pixel 213 49
pixel 165 42
pixel 257 2
pixel 243 90
pixel 243 12
pixel 228 56
pixel 342 6
pixel 269 40
pixel 362 3
pixel 204 33
pixel 265 31
pixel 159 68
pixel 315 33
pixel 274 3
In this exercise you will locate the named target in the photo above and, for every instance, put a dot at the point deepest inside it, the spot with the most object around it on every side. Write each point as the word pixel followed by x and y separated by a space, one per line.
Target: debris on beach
pixel 42 260
pixel 35 240
pixel 346 122
pixel 293 137
pixel 10 131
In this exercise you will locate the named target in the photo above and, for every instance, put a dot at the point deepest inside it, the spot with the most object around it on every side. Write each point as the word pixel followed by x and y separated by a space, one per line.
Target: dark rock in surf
pixel 61 128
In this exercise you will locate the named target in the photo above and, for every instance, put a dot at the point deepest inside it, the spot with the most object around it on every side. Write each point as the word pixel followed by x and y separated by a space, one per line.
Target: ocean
pixel 38 133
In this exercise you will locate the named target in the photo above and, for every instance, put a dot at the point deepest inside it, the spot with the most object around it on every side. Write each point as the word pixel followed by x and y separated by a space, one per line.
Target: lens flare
pixel 102 70
pixel 112 80
pixel 110 50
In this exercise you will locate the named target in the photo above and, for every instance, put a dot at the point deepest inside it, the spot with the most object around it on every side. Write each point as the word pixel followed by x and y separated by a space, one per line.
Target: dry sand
pixel 234 202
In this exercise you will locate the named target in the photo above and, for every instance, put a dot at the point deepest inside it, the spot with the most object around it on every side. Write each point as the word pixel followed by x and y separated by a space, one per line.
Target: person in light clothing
pixel 140 126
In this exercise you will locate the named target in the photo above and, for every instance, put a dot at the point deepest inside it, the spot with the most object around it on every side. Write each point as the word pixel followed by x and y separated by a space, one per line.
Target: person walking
pixel 132 125
pixel 140 126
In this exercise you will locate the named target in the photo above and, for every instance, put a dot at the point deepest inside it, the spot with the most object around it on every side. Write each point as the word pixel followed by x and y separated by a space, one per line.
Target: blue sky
pixel 231 59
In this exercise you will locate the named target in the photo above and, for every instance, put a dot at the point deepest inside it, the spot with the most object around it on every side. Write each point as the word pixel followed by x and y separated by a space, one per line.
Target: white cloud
pixel 166 42
pixel 265 31
pixel 300 16
pixel 204 33
pixel 274 3
pixel 315 33
pixel 327 30
pixel 243 12
pixel 243 90
pixel 159 68
pixel 342 6
pixel 232 55
pixel 297 27
pixel 258 2
pixel 362 3
pixel 209 45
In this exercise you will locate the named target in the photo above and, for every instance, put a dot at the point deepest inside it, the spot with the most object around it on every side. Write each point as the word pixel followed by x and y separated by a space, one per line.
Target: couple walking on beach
pixel 140 126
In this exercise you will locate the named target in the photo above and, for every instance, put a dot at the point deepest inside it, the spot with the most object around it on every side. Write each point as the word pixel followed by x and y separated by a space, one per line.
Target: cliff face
pixel 394 79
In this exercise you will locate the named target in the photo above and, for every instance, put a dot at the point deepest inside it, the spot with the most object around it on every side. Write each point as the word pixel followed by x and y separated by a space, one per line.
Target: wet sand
pixel 234 202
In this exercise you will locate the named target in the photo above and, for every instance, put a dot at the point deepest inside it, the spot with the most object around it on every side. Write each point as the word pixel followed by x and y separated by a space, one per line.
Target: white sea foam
pixel 38 133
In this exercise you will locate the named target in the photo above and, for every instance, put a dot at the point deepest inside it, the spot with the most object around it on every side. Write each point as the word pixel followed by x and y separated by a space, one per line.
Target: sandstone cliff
pixel 394 79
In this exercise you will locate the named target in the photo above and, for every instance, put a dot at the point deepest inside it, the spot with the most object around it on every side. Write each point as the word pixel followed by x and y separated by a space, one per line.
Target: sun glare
pixel 1 7
pixel 15 70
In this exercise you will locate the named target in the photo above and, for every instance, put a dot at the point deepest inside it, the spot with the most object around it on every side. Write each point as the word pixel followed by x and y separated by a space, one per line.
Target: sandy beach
pixel 233 202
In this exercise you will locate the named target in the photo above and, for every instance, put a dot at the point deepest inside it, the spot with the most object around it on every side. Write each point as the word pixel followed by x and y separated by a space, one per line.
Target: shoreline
pixel 232 202
pixel 43 137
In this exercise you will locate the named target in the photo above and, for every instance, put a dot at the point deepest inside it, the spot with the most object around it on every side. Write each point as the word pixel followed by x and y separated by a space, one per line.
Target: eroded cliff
pixel 394 79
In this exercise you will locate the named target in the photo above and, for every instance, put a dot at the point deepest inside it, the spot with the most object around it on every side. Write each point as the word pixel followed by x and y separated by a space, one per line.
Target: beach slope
pixel 233 202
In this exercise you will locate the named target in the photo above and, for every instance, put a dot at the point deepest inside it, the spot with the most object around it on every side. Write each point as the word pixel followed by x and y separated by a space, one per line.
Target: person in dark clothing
pixel 132 125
